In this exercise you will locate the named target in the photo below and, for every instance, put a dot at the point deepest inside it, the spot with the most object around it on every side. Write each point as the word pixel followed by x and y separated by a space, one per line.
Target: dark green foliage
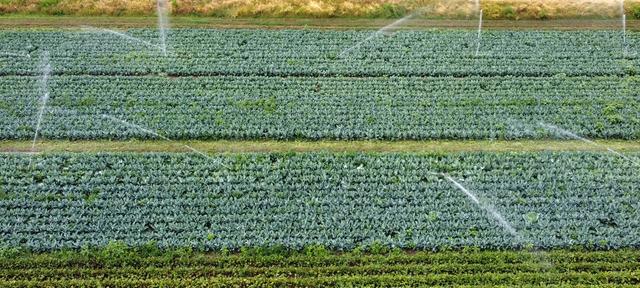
pixel 328 269
pixel 270 203
pixel 46 4
pixel 343 108
pixel 635 10
pixel 508 12
pixel 116 253
pixel 87 101
pixel 389 10
pixel 199 52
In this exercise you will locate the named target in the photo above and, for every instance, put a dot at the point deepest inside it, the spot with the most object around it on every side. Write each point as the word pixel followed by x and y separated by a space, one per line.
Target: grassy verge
pixel 120 266
pixel 494 9
pixel 222 146
pixel 44 21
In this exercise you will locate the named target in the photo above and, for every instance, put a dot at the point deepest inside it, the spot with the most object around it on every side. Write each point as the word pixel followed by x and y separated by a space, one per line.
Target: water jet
pixel 44 89
pixel 382 31
pixel 123 35
pixel 163 23
pixel 156 134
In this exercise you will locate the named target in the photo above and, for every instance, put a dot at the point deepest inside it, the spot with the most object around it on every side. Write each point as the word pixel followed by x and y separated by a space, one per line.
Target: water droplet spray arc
pixel 540 255
pixel 163 24
pixel 43 88
pixel 495 214
pixel 156 134
pixel 125 36
pixel 563 132
pixel 380 32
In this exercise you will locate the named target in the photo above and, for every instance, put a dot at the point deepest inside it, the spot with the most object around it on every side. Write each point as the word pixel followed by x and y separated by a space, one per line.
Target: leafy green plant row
pixel 196 52
pixel 322 108
pixel 118 265
pixel 339 201
pixel 117 254
pixel 620 279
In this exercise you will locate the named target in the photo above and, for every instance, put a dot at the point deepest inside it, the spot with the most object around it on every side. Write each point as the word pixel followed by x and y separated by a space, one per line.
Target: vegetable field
pixel 520 216
pixel 324 108
pixel 340 201
pixel 196 52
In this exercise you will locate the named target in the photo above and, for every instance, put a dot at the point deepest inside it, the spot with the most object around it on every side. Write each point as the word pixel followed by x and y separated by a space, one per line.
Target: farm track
pixel 73 22
pixel 231 146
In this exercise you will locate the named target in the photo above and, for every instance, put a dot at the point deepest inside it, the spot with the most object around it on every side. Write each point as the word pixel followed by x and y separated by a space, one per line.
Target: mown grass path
pixel 223 146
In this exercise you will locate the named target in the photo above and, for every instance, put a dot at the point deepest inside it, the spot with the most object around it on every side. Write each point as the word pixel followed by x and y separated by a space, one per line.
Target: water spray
pixel 496 216
pixel 125 36
pixel 163 23
pixel 570 134
pixel 540 255
pixel 44 89
pixel 156 134
pixel 382 30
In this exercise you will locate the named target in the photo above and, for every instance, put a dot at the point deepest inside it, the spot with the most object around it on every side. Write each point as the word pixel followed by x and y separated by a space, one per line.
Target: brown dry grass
pixel 494 9
pixel 554 9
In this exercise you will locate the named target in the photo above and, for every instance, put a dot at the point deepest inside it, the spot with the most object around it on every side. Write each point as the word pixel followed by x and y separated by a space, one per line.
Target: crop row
pixel 602 279
pixel 322 53
pixel 322 108
pixel 117 266
pixel 116 254
pixel 339 201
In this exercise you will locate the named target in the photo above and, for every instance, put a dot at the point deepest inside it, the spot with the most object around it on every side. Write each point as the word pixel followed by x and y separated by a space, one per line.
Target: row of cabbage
pixel 321 53
pixel 322 108
pixel 339 201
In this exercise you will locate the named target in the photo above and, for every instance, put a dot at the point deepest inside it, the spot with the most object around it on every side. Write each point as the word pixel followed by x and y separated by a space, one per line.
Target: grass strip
pixel 230 146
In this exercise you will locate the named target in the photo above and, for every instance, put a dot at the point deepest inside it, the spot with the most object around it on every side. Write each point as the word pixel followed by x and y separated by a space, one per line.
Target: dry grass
pixel 555 9
pixel 494 9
